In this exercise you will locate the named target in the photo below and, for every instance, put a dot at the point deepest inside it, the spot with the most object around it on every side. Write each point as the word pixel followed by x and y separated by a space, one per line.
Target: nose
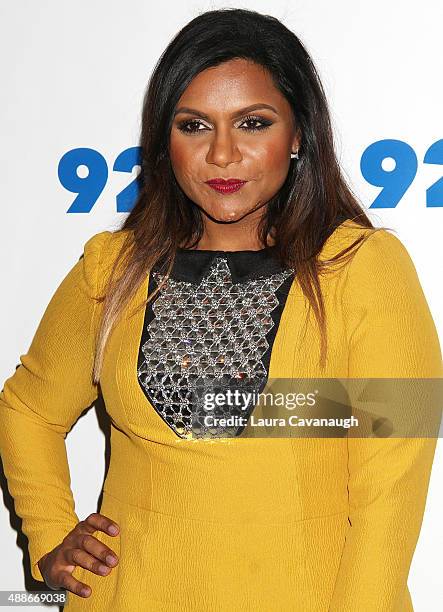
pixel 223 150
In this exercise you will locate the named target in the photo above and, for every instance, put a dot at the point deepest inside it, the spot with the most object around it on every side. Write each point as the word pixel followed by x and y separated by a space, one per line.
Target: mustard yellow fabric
pixel 320 524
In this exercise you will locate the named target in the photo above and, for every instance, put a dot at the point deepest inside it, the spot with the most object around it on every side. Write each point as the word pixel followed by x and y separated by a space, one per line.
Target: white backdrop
pixel 73 75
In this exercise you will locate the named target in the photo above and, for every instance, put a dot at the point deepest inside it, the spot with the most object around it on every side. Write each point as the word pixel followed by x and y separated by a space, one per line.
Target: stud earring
pixel 294 155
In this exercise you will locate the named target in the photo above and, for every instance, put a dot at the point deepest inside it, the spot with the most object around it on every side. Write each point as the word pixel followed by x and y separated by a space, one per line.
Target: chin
pixel 228 212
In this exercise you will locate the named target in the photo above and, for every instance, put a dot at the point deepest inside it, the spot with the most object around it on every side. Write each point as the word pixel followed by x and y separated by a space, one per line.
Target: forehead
pixel 231 85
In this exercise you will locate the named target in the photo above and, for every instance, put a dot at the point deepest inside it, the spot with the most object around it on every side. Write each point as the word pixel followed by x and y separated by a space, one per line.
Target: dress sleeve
pixel 40 402
pixel 390 334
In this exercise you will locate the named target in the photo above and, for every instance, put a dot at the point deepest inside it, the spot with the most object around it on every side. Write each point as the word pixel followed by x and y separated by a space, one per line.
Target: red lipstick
pixel 226 185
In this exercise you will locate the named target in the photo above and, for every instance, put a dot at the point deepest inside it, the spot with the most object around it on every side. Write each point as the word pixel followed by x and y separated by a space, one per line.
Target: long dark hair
pixel 314 196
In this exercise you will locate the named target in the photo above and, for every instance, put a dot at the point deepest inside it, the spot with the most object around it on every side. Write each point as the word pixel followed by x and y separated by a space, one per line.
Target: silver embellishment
pixel 207 337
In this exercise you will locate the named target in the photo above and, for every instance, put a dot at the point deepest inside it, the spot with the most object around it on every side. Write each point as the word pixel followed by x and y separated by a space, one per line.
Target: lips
pixel 222 181
pixel 226 185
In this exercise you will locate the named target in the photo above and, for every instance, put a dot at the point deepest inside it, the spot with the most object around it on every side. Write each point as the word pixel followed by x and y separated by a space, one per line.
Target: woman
pixel 225 274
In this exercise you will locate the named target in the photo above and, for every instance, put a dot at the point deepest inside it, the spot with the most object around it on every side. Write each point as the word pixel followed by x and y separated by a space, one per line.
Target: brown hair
pixel 299 217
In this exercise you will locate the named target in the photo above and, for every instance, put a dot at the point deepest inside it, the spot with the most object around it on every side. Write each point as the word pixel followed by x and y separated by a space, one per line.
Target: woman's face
pixel 216 135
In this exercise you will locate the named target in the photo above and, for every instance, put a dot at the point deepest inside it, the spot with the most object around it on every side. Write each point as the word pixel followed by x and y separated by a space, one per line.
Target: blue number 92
pixel 397 181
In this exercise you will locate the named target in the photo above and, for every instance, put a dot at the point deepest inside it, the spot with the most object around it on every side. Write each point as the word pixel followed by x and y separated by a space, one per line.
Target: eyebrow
pixel 238 113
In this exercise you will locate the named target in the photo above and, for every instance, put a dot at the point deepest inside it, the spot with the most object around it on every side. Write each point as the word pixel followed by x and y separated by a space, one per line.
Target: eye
pixel 190 126
pixel 265 123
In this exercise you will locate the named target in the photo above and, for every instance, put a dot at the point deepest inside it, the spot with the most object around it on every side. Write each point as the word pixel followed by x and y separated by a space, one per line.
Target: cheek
pixel 179 162
pixel 178 155
pixel 275 156
pixel 274 160
pixel 184 160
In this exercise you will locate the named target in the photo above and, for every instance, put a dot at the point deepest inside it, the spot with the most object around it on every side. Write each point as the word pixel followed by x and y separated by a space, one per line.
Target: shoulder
pixel 385 309
pixel 380 278
pixel 380 257
pixel 373 243
pixel 100 252
pixel 105 244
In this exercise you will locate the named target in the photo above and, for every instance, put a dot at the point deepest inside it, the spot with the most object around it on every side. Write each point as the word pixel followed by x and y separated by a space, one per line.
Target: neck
pixel 244 242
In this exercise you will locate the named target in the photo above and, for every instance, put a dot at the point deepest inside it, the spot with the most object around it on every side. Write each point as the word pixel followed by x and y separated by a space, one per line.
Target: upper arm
pixel 389 326
pixel 53 382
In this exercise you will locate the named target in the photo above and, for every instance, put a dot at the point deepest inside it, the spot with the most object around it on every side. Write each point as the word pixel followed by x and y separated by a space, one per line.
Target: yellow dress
pixel 277 524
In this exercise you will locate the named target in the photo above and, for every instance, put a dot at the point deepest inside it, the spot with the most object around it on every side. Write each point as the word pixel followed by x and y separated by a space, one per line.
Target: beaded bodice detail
pixel 210 334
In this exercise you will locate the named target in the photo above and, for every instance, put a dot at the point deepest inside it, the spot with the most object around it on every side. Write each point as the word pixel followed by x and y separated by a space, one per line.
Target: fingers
pixel 68 582
pixel 99 552
pixel 80 548
pixel 99 522
pixel 92 545
pixel 91 562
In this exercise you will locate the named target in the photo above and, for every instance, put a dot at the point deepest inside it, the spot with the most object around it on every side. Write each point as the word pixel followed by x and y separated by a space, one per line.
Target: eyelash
pixel 265 124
